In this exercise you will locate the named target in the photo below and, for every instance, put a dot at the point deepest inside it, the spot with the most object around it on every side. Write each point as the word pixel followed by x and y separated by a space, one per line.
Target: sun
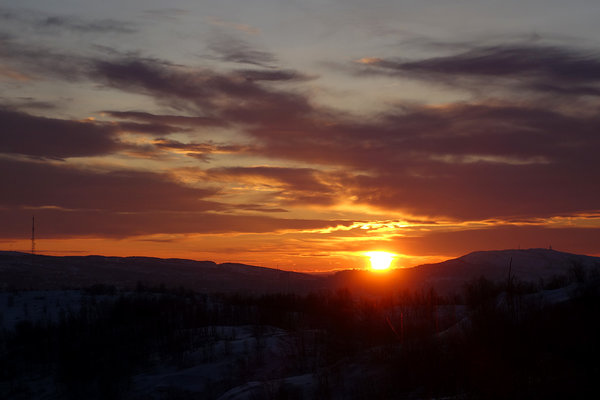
pixel 380 260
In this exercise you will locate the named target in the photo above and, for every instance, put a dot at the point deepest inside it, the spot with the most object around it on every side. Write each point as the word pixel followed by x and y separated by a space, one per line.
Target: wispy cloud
pixel 201 151
pixel 537 67
pixel 216 21
pixel 179 120
pixel 124 203
pixel 82 26
pixel 53 23
pixel 30 135
pixel 235 50
pixel 62 186
pixel 7 73
pixel 478 154
pixel 291 186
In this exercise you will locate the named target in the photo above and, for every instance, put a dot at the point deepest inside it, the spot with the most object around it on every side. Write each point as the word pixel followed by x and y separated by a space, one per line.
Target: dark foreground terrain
pixel 493 339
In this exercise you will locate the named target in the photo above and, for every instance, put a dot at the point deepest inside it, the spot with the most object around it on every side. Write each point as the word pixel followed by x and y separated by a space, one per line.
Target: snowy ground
pixel 37 306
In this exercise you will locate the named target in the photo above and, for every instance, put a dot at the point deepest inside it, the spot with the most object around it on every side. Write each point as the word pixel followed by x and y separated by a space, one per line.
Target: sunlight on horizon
pixel 380 260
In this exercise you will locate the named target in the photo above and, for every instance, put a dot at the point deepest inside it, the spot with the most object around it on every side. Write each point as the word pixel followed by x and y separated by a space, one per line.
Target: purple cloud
pixel 30 135
pixel 37 184
pixel 537 67
pixel 488 159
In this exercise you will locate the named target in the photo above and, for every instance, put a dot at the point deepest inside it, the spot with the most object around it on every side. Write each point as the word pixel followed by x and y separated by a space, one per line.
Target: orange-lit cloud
pixel 369 60
pixel 10 74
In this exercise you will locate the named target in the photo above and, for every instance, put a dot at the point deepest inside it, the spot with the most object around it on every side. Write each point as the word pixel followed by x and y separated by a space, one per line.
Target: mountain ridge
pixel 23 270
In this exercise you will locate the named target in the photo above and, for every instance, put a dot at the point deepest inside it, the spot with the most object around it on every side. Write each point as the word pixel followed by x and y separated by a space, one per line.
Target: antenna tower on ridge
pixel 33 235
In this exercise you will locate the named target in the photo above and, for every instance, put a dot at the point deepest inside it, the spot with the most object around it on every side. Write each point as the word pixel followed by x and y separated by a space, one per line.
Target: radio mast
pixel 33 235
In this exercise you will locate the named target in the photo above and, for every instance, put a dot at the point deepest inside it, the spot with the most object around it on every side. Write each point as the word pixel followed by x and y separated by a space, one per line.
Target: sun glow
pixel 380 260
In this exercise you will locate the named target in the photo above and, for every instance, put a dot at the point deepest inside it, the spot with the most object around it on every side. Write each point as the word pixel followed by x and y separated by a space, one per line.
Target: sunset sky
pixel 299 134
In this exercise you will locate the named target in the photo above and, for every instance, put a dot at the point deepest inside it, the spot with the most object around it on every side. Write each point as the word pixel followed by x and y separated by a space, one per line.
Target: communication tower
pixel 33 235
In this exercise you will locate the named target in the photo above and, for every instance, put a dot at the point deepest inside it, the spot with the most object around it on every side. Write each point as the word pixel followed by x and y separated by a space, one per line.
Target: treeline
pixel 493 341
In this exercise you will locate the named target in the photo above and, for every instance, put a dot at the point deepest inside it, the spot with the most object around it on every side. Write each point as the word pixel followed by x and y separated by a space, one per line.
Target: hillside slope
pixel 530 265
pixel 26 271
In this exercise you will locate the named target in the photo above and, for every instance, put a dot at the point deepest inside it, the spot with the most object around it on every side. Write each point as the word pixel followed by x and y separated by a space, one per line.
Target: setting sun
pixel 380 260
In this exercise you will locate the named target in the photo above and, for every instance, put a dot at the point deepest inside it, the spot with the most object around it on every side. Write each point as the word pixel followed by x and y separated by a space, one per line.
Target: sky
pixel 299 134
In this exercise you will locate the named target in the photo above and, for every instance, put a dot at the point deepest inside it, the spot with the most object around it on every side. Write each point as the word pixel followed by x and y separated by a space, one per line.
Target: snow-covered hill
pixel 530 265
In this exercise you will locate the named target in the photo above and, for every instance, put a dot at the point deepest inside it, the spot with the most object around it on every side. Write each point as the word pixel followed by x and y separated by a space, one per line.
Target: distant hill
pixel 26 271
pixel 530 265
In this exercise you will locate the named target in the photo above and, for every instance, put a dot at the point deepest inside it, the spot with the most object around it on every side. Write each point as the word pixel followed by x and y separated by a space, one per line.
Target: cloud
pixel 53 23
pixel 30 135
pixel 230 49
pixel 20 103
pixel 91 223
pixel 9 74
pixel 293 186
pixel 166 13
pixel 37 184
pixel 179 120
pixel 272 75
pixel 233 25
pixel 487 159
pixel 36 62
pixel 484 160
pixel 201 151
pixel 148 129
pixel 211 98
pixel 69 201
pixel 78 25
pixel 225 96
pixel 542 68
pixel 259 208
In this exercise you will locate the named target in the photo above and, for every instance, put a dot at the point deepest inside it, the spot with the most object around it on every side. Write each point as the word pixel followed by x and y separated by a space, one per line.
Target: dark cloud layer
pixel 477 160
pixel 485 160
pixel 82 26
pixel 54 23
pixel 30 135
pixel 220 95
pixel 39 62
pixel 544 68
pixel 71 202
pixel 36 184
pixel 94 223
pixel 272 75
pixel 482 160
